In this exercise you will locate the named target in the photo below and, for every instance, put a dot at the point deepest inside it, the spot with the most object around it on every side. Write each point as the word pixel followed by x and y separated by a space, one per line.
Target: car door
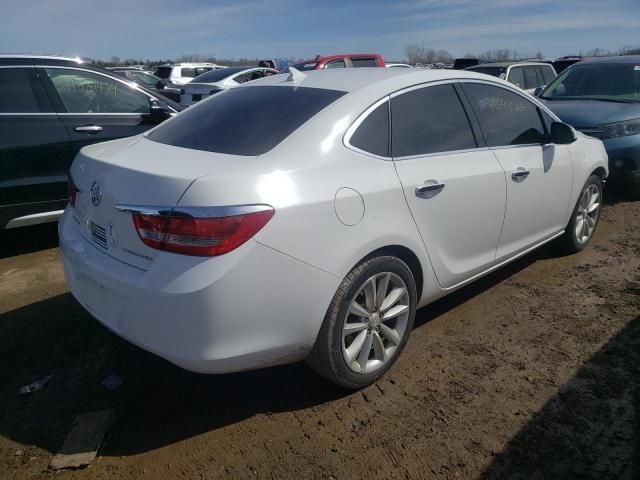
pixel 95 107
pixel 35 152
pixel 539 174
pixel 454 186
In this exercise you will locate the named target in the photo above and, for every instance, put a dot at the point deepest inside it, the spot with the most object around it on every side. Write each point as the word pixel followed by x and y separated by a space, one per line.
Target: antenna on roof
pixel 295 75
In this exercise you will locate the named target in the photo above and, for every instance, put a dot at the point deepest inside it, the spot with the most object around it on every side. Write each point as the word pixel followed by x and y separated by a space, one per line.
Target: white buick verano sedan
pixel 308 216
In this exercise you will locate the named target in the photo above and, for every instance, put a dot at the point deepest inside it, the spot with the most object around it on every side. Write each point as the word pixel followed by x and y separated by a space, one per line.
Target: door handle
pixel 88 129
pixel 520 174
pixel 430 190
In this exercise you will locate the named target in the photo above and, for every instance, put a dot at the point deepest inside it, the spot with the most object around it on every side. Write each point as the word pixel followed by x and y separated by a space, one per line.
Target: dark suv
pixel 50 107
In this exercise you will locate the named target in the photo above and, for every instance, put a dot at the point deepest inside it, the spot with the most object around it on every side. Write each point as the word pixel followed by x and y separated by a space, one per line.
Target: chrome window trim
pixel 507 86
pixel 193 212
pixel 13 114
pixel 440 154
pixel 34 219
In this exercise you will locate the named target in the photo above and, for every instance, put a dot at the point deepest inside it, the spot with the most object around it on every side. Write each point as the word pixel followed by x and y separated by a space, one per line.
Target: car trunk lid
pixel 133 172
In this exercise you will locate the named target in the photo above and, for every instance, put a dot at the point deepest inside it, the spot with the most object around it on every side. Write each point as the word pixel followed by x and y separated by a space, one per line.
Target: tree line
pixel 416 53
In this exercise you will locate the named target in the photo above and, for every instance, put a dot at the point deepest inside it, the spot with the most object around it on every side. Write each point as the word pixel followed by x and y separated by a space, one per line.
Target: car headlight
pixel 620 129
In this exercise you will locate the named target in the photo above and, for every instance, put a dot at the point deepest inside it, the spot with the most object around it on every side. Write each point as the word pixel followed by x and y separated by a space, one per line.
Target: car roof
pixel 28 59
pixel 617 59
pixel 353 79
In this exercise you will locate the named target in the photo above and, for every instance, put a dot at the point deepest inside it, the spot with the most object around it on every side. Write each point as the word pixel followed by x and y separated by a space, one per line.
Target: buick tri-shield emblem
pixel 96 193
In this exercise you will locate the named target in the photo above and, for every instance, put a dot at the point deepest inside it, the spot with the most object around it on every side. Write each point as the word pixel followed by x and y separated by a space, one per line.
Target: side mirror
pixel 159 111
pixel 538 91
pixel 160 85
pixel 562 134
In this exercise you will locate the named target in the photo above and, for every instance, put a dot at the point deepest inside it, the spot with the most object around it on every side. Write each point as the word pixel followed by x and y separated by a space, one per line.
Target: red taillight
pixel 205 237
pixel 73 190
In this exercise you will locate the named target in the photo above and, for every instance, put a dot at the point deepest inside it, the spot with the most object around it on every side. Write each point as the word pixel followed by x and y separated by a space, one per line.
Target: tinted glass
pixel 188 72
pixel 87 92
pixel 429 120
pixel 163 72
pixel 516 76
pixel 305 66
pixel 530 78
pixel 364 62
pixel 506 118
pixel 336 64
pixel 16 95
pixel 493 71
pixel 247 77
pixel 244 121
pixel 213 76
pixel 612 82
pixel 373 133
pixel 546 74
pixel 144 79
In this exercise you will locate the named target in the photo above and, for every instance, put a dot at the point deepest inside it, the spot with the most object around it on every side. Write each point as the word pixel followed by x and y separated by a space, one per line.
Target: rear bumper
pixel 251 308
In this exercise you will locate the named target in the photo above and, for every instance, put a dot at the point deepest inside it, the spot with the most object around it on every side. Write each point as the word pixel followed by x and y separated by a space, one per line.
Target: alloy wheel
pixel 375 322
pixel 587 213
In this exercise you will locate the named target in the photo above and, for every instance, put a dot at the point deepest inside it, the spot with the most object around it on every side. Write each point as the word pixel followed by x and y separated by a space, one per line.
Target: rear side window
pixel 516 76
pixel 429 120
pixel 373 133
pixel 244 121
pixel 336 64
pixel 162 72
pixel 530 79
pixel 188 72
pixel 506 117
pixel 16 95
pixel 364 62
pixel 546 74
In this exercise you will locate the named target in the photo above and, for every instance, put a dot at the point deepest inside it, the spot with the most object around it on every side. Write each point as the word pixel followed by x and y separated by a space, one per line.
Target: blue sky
pixel 304 28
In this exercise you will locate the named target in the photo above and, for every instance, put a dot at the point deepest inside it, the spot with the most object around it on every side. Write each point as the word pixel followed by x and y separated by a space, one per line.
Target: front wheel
pixel 585 216
pixel 367 324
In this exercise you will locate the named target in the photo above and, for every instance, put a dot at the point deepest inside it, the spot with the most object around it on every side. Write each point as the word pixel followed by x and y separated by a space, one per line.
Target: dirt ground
pixel 532 372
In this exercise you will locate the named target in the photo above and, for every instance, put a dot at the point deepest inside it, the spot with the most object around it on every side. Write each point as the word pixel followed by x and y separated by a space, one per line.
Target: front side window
pixel 16 95
pixel 82 91
pixel 429 120
pixel 506 117
pixel 245 120
pixel 372 135
pixel 364 62
pixel 336 64
pixel 188 72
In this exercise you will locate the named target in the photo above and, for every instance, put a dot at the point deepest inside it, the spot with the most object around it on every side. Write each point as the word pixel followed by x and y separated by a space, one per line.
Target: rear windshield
pixel 162 72
pixel 244 121
pixel 493 71
pixel 217 75
pixel 305 66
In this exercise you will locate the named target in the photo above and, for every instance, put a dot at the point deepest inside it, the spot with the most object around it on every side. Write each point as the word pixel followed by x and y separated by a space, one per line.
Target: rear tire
pixel 367 324
pixel 584 218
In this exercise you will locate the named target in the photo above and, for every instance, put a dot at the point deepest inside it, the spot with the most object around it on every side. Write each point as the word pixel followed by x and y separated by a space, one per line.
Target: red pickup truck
pixel 348 60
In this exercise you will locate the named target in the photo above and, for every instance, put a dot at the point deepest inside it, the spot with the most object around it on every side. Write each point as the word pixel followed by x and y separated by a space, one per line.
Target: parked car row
pixel 166 232
pixel 51 107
